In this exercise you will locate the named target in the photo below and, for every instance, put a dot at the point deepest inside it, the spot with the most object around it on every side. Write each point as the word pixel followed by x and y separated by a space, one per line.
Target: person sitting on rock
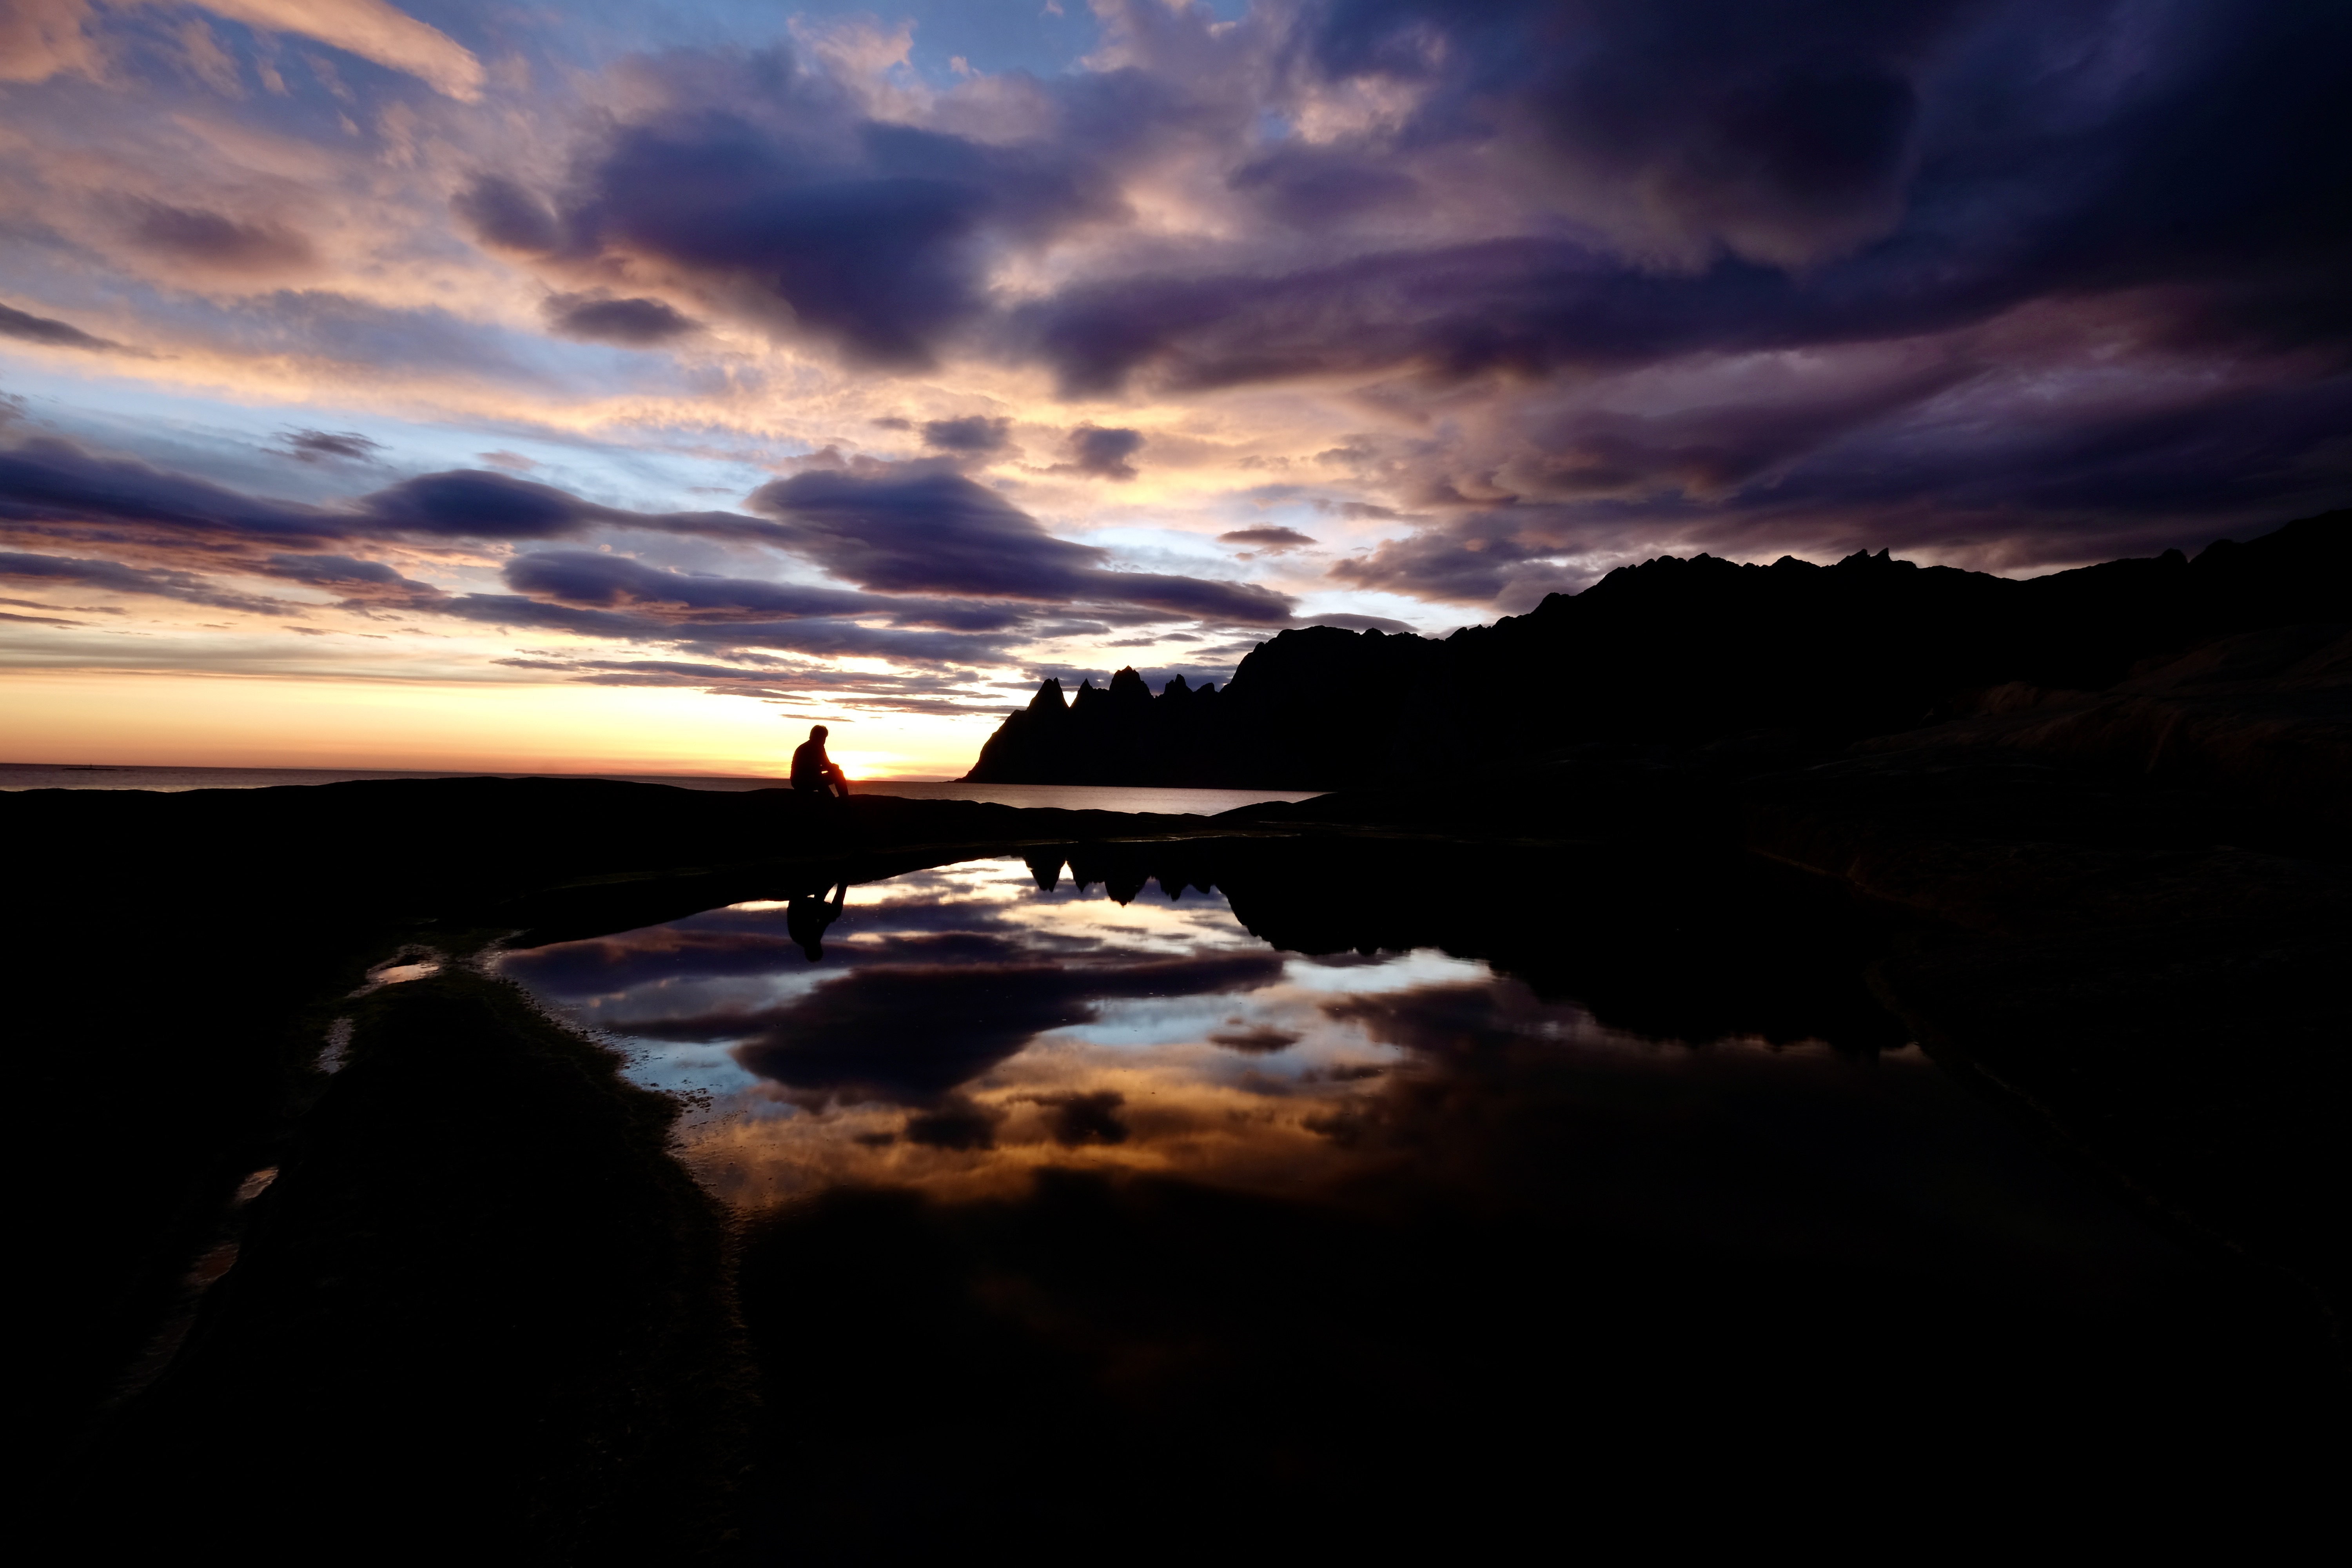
pixel 815 773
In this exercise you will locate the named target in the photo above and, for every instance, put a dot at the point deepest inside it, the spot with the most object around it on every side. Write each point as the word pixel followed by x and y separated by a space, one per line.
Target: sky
pixel 620 386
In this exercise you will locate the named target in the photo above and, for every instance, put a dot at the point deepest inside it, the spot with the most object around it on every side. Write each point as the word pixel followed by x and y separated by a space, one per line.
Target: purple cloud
pixel 631 323
pixel 926 530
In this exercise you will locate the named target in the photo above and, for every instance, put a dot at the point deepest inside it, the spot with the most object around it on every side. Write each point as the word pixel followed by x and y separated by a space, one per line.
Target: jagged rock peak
pixel 1175 684
pixel 1049 696
pixel 1127 689
pixel 1883 559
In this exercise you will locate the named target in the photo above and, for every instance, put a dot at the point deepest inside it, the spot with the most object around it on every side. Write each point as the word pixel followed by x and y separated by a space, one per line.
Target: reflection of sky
pixel 1157 1051
pixel 1286 1074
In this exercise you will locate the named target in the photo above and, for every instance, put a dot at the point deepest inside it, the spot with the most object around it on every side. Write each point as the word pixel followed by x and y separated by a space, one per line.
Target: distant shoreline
pixel 393 772
pixel 776 777
pixel 19 778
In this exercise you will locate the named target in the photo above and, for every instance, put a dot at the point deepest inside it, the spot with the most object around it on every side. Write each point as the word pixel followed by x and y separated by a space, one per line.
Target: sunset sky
pixel 613 386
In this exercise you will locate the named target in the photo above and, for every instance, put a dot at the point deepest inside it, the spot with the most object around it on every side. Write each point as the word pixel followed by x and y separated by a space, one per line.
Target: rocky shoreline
pixel 2125 915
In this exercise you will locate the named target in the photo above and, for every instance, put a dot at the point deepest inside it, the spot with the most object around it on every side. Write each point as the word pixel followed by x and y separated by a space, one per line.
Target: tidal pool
pixel 961 1028
pixel 1200 1193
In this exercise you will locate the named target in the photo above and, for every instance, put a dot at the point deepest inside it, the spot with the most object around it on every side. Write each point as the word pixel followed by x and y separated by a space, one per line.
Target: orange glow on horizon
pixel 153 720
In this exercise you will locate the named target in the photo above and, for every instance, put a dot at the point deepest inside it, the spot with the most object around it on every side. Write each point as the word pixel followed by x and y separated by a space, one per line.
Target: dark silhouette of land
pixel 1671 651
pixel 2099 872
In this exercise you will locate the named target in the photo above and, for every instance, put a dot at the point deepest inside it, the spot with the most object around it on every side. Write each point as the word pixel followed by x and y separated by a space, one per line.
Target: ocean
pixel 1068 797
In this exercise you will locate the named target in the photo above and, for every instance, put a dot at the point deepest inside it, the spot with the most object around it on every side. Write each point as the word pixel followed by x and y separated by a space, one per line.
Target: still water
pixel 1221 1192
pixel 954 1030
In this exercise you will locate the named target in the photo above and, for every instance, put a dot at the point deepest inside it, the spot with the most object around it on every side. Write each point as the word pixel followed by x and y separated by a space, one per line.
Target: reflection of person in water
pixel 814 773
pixel 808 915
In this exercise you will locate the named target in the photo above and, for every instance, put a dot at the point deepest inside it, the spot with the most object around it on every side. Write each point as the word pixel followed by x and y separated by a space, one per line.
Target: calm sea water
pixel 1071 797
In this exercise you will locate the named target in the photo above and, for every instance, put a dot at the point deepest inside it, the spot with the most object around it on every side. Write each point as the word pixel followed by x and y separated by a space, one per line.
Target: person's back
pixel 813 772
pixel 808 765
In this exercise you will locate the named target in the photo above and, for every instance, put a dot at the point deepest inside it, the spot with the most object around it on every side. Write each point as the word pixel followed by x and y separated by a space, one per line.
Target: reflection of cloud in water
pixel 966 1029
pixel 910 1032
pixel 1258 1040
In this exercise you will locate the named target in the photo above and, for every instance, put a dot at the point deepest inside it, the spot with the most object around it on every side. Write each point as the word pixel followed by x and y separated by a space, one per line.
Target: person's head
pixel 818 732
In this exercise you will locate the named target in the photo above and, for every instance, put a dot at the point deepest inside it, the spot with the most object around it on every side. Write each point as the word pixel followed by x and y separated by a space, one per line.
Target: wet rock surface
pixel 480 1297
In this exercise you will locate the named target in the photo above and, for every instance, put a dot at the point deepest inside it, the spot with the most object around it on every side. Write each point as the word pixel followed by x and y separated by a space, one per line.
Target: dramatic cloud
pixel 339 572
pixel 1274 540
pixel 162 584
pixel 39 39
pixel 311 446
pixel 633 323
pixel 1312 187
pixel 578 577
pixel 44 480
pixel 371 29
pixel 191 530
pixel 31 328
pixel 502 213
pixel 949 564
pixel 923 531
pixel 758 178
pixel 1358 302
pixel 1102 454
pixel 931 531
pixel 216 242
pixel 1781 135
pixel 479 504
pixel 975 434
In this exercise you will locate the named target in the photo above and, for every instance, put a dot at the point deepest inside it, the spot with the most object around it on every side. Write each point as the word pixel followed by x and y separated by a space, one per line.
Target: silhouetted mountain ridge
pixel 1677 650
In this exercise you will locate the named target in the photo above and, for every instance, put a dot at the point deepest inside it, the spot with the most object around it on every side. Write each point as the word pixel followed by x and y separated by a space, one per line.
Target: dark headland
pixel 1677 652
pixel 2086 837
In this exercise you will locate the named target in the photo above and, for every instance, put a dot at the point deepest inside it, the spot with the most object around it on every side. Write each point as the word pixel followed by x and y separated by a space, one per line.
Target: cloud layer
pixel 1359 311
pixel 942 571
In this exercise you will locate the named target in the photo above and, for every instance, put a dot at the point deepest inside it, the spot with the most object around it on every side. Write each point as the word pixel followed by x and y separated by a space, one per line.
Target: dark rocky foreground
pixel 180 957
pixel 480 1302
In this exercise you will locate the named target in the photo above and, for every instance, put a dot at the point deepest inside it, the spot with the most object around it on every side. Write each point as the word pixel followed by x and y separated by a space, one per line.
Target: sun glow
pixel 215 721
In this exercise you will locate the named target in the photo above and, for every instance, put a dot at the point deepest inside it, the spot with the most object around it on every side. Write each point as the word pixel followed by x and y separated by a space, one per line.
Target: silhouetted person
pixel 808 915
pixel 814 773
